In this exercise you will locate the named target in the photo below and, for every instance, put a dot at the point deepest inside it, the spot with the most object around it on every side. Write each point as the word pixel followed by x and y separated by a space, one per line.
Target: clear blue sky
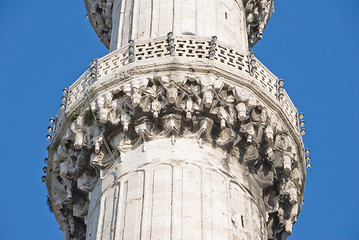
pixel 313 44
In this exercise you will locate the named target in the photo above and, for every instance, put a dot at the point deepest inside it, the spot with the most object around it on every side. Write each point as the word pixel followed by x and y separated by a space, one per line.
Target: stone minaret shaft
pixel 179 132
pixel 143 19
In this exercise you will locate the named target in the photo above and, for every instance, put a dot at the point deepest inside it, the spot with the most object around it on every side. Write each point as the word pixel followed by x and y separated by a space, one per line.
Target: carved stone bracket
pixel 100 13
pixel 177 106
pixel 257 13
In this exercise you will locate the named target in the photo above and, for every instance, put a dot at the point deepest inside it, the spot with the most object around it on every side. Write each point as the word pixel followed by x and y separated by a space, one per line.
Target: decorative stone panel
pixel 175 106
pixel 186 48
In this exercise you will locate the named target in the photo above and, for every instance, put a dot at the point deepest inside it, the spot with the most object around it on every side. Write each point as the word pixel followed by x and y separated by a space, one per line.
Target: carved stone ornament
pixel 176 106
pixel 258 13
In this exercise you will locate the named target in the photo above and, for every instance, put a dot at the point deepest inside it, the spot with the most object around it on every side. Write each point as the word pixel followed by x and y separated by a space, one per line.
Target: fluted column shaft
pixel 175 192
pixel 145 19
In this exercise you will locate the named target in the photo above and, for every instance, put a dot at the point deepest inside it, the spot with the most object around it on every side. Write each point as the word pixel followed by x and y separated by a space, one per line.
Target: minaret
pixel 179 132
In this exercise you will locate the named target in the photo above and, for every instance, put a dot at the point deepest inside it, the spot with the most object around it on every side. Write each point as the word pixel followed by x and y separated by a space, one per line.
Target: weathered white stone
pixel 177 135
pixel 239 23
pixel 216 147
pixel 200 198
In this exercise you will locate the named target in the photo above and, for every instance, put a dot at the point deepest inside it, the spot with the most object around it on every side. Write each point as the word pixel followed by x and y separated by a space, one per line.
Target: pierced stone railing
pixel 76 90
pixel 269 81
pixel 290 110
pixel 187 47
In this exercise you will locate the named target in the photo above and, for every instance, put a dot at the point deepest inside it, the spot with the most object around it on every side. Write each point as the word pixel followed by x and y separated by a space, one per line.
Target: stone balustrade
pixel 187 48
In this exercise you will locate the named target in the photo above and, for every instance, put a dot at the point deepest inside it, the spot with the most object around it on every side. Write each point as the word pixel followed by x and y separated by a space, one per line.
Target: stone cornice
pixel 191 50
pixel 173 105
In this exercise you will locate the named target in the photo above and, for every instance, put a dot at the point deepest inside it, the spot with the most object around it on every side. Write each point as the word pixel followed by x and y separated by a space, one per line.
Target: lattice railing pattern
pixel 151 50
pixel 112 62
pixel 187 47
pixel 76 90
pixel 266 79
pixel 192 48
pixel 231 58
pixel 290 110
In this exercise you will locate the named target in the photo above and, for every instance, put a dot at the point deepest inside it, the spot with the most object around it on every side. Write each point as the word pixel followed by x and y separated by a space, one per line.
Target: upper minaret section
pixel 239 23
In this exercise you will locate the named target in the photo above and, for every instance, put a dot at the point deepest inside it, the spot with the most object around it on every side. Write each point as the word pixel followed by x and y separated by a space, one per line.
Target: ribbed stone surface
pixel 180 191
pixel 143 19
pixel 177 136
pixel 239 22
